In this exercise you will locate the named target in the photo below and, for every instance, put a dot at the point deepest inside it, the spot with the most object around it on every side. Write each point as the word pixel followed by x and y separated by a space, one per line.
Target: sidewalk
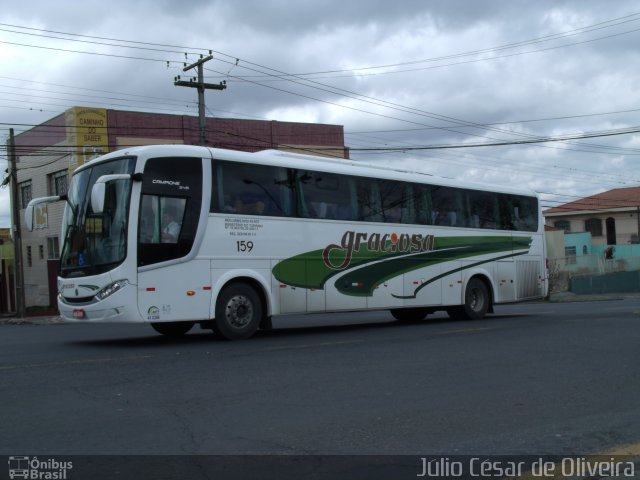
pixel 11 319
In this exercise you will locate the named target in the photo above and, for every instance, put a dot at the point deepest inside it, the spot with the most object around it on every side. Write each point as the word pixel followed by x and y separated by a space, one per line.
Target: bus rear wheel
pixel 409 314
pixel 172 329
pixel 238 312
pixel 476 300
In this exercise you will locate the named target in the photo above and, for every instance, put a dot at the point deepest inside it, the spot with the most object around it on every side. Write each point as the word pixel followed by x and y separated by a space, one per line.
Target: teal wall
pixel 579 240
pixel 618 282
pixel 622 251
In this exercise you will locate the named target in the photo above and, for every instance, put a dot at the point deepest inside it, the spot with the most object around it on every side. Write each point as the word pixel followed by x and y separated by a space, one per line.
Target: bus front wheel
pixel 238 312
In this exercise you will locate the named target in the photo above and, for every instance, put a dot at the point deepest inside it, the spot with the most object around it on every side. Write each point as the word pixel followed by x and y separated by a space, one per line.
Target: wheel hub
pixel 239 311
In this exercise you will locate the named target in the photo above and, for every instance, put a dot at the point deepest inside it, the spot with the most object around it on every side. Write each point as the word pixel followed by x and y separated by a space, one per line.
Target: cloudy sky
pixel 401 77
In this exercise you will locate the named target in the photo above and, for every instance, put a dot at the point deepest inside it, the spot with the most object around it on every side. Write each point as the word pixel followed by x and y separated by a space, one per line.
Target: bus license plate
pixel 78 313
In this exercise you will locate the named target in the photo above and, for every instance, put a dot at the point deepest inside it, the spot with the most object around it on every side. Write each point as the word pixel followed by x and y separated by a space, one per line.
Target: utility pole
pixel 15 225
pixel 201 86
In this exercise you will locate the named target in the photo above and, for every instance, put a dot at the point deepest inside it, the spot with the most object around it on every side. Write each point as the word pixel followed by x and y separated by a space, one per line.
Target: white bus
pixel 182 235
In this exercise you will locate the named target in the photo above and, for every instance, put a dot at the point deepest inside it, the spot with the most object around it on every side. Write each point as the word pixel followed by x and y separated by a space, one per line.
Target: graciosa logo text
pixel 338 256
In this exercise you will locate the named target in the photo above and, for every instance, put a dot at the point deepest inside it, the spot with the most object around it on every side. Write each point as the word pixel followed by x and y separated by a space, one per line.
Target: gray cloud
pixel 582 81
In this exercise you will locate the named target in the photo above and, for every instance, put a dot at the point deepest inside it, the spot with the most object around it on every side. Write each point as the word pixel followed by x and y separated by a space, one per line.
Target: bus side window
pixel 369 202
pixel 506 212
pixel 525 213
pixel 483 209
pixel 252 190
pixel 424 206
pixel 444 206
pixel 324 195
pixel 408 206
pixel 392 200
pixel 172 214
pixel 161 219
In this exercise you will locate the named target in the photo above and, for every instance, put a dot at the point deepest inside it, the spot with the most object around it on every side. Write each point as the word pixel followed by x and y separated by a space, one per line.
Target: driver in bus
pixel 170 228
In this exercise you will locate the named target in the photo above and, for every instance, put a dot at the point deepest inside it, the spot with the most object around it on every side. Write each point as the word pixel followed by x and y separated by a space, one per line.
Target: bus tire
pixel 476 300
pixel 172 329
pixel 238 312
pixel 409 314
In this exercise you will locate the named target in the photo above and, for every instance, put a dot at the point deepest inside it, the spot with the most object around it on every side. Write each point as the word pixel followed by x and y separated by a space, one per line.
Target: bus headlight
pixel 111 289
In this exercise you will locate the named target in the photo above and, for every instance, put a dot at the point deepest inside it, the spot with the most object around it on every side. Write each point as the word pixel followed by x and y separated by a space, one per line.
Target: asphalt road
pixel 532 379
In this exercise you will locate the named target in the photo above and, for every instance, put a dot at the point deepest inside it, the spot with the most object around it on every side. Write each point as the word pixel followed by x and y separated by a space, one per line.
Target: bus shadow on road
pixel 287 328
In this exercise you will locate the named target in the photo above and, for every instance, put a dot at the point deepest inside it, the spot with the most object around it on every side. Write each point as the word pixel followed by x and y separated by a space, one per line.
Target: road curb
pixel 44 320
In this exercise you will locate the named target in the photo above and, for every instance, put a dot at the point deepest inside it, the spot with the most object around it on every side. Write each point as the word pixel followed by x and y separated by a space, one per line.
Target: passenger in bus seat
pixel 250 204
pixel 321 209
pixel 229 205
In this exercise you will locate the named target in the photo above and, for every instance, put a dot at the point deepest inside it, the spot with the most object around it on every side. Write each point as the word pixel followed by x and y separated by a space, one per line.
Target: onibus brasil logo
pixel 37 469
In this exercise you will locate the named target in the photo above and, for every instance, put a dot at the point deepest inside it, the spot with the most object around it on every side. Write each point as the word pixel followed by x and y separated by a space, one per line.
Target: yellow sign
pixel 87 133
pixel 40 216
pixel 93 225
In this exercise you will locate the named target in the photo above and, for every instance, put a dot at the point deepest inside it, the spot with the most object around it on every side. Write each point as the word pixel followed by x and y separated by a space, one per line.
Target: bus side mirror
pixel 97 196
pixel 98 191
pixel 29 211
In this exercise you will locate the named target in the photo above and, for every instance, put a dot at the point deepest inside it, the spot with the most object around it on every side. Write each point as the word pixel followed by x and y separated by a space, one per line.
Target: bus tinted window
pixel 251 190
pixel 446 209
pixel 483 210
pixel 392 201
pixel 521 212
pixel 369 203
pixel 326 195
pixel 275 191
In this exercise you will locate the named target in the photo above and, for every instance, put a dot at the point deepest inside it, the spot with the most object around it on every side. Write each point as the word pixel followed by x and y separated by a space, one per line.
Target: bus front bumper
pixel 119 307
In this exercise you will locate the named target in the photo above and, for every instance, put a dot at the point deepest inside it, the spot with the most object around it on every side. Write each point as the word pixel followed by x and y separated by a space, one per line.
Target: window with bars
pixel 570 255
pixel 24 188
pixel 58 183
pixel 563 225
pixel 594 226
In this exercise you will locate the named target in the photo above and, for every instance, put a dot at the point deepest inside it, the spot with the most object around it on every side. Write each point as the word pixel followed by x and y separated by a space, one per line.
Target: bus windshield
pixel 95 243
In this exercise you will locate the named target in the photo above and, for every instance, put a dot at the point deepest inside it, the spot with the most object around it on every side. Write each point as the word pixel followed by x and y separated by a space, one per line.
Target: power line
pixel 169 48
pixel 378 102
pixel 105 38
pixel 589 28
pixel 393 106
pixel 469 125
pixel 605 24
pixel 563 138
pixel 112 55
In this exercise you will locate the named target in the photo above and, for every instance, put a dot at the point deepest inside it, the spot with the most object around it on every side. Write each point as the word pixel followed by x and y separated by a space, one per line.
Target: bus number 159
pixel 244 246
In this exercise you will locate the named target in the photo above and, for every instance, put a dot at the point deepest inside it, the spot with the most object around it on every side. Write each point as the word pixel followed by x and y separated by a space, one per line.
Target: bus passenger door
pixel 173 284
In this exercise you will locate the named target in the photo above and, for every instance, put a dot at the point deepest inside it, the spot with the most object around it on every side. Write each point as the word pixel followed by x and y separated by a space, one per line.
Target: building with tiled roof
pixel 611 217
